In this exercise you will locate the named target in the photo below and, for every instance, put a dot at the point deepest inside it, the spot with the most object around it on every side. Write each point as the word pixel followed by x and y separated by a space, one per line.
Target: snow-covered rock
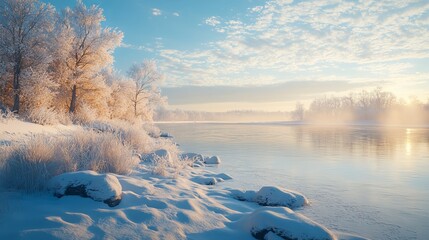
pixel 211 179
pixel 272 196
pixel 206 180
pixel 275 196
pixel 283 223
pixel 212 160
pixel 196 157
pixel 157 155
pixel 99 187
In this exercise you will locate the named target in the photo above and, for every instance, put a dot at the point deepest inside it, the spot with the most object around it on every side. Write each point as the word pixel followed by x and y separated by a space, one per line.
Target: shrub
pixel 43 116
pixel 30 165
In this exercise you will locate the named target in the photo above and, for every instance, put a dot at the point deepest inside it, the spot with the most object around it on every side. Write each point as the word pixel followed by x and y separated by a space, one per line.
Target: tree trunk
pixel 73 100
pixel 16 88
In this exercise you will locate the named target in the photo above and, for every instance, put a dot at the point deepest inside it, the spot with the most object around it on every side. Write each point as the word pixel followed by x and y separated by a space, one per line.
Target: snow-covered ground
pixel 189 205
pixel 13 130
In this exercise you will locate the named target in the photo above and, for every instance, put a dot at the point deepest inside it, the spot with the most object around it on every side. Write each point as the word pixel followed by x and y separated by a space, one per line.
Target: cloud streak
pixel 289 91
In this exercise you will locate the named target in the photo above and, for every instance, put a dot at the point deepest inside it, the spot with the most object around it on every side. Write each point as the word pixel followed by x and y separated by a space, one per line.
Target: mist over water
pixel 362 179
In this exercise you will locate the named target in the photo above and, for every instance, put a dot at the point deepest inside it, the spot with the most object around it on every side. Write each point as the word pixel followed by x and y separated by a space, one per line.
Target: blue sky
pixel 251 47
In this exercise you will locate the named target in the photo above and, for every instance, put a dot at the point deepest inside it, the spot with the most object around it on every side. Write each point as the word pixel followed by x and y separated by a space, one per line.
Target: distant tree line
pixel 163 114
pixel 59 65
pixel 376 106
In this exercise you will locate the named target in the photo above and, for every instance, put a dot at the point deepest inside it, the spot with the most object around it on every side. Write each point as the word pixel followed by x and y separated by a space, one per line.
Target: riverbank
pixel 175 203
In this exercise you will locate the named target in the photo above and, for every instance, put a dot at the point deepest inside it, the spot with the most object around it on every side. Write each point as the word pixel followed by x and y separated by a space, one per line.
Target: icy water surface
pixel 372 181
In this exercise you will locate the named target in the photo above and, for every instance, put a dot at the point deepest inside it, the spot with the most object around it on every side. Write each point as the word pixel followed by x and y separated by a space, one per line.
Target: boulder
pixel 196 157
pixel 89 184
pixel 272 196
pixel 211 179
pixel 212 160
pixel 283 223
pixel 275 196
pixel 165 135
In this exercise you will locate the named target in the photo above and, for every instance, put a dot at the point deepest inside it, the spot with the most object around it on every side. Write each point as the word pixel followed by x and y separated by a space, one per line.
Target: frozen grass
pixel 99 146
pixel 29 165
pixel 43 116
pixel 6 115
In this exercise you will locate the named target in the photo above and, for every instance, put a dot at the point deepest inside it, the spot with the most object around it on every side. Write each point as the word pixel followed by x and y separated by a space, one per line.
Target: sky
pixel 221 55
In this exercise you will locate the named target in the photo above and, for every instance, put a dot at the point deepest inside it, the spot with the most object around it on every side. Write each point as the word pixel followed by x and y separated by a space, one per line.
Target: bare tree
pixel 24 30
pixel 146 93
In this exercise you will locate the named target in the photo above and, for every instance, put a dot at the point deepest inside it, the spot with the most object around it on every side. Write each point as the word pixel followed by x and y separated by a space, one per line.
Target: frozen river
pixel 372 181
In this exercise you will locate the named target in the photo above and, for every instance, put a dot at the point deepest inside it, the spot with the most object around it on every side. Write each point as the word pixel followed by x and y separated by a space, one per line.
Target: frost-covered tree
pixel 84 49
pixel 25 26
pixel 298 113
pixel 146 94
pixel 121 88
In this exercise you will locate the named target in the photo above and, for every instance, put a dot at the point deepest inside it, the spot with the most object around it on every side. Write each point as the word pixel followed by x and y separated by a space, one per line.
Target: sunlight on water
pixel 368 180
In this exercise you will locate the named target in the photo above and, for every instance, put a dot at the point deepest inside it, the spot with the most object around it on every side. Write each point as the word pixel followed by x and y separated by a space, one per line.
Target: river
pixel 373 181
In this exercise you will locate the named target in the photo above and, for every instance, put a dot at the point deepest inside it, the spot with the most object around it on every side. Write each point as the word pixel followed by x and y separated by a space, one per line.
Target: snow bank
pixel 99 187
pixel 283 223
pixel 272 196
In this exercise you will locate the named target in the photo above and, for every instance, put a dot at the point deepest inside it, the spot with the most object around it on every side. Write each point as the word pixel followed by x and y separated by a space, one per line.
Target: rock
pixel 272 196
pixel 89 184
pixel 248 196
pixel 165 135
pixel 206 180
pixel 212 160
pixel 211 178
pixel 196 157
pixel 282 222
pixel 275 196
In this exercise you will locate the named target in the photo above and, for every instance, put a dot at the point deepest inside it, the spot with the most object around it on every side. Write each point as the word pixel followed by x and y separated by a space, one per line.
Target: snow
pixel 272 196
pixel 212 160
pixel 100 187
pixel 284 223
pixel 153 207
pixel 210 178
pixel 193 156
pixel 157 155
pixel 14 130
pixel 200 159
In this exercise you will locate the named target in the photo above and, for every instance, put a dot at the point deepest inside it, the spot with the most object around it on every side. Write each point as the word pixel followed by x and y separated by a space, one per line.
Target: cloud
pixel 212 21
pixel 256 9
pixel 176 14
pixel 137 47
pixel 301 40
pixel 289 91
pixel 156 12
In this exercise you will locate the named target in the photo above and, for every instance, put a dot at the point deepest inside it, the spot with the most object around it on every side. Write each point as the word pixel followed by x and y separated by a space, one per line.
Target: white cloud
pixel 156 12
pixel 212 21
pixel 288 40
pixel 176 14
pixel 256 9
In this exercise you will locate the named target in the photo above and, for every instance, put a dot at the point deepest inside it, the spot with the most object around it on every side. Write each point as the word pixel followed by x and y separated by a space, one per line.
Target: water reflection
pixel 367 142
